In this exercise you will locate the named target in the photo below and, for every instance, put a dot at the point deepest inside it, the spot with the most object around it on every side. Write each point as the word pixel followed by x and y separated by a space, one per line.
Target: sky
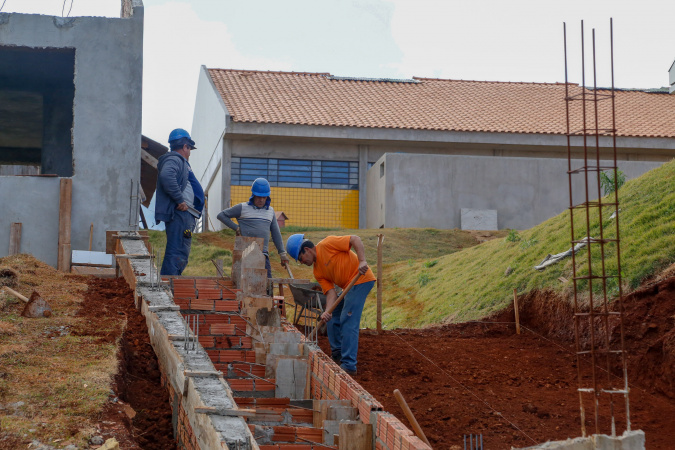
pixel 494 40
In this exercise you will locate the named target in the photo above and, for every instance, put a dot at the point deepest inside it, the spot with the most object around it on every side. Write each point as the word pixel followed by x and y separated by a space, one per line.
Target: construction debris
pixel 552 259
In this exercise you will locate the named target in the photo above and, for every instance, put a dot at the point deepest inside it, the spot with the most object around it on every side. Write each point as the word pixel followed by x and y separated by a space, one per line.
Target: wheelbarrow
pixel 310 298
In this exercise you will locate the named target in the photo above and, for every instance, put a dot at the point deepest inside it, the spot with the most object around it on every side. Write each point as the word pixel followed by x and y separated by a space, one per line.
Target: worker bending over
pixel 256 219
pixel 335 264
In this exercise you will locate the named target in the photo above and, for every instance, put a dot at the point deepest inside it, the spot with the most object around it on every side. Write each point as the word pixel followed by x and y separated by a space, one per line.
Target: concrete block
pixel 478 219
pixel 630 440
pixel 291 378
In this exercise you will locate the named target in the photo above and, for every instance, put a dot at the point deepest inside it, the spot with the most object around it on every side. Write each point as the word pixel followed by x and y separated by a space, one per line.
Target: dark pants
pixel 178 243
pixel 268 266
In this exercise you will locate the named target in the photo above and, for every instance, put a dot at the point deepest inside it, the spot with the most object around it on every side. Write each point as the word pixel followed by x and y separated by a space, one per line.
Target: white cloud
pixel 522 40
pixel 177 43
pixel 101 8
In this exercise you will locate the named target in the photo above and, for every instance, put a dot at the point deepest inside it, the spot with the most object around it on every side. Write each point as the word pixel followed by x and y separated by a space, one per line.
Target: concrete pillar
pixel 226 172
pixel 363 168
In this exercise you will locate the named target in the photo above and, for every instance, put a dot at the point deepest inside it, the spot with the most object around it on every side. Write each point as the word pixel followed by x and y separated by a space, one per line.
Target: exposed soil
pixel 141 417
pixel 518 390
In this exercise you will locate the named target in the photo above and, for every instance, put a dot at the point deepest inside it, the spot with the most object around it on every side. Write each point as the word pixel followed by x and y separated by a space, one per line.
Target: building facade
pixel 315 136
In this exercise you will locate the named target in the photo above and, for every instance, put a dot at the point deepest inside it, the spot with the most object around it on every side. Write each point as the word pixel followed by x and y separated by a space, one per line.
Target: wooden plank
pixel 110 241
pixel 225 411
pixel 148 158
pixel 355 436
pixel 65 211
pixel 15 238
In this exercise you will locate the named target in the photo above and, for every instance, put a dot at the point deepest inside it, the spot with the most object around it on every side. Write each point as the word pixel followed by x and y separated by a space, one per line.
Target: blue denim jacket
pixel 173 173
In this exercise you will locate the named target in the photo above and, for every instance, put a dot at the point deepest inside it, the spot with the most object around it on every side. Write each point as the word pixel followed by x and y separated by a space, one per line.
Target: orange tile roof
pixel 431 104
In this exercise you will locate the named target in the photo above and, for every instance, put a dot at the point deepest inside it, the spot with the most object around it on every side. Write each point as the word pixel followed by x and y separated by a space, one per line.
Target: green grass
pixel 472 284
pixel 400 244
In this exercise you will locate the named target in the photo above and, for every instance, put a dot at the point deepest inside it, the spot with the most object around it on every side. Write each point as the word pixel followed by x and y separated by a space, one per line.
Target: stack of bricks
pixel 392 434
pixel 287 437
pixel 185 437
pixel 205 295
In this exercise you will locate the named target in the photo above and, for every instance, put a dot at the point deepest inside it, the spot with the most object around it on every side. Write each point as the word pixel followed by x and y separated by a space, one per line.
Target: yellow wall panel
pixel 331 208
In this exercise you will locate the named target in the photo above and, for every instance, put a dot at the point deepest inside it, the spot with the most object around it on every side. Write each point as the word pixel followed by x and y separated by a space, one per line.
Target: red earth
pixel 140 418
pixel 519 390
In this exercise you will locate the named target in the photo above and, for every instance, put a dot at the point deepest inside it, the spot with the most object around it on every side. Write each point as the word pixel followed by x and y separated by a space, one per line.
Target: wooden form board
pixel 15 238
pixel 355 436
pixel 65 210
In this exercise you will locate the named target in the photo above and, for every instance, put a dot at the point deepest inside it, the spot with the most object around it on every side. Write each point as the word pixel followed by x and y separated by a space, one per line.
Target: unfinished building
pixel 70 129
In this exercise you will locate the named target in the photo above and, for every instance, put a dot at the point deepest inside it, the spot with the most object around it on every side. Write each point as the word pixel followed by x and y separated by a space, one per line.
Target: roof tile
pixel 301 98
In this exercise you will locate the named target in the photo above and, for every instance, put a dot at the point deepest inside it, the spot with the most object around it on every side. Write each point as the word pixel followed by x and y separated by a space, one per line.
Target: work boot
pixel 349 372
pixel 337 357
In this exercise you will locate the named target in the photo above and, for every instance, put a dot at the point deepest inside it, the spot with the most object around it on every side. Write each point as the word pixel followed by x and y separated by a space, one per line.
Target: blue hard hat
pixel 180 133
pixel 293 245
pixel 261 188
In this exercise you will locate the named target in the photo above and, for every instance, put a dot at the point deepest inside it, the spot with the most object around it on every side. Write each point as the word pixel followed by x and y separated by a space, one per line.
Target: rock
pixel 529 408
pixel 96 440
pixel 508 271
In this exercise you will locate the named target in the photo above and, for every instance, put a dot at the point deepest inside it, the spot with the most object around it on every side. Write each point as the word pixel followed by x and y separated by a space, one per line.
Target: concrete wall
pixel 375 195
pixel 106 133
pixel 430 190
pixel 208 125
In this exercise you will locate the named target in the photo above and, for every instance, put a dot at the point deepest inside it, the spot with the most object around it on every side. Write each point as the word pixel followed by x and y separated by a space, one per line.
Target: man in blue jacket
pixel 179 201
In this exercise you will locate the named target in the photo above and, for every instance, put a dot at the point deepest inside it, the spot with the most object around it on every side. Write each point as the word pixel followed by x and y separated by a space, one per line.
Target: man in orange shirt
pixel 335 264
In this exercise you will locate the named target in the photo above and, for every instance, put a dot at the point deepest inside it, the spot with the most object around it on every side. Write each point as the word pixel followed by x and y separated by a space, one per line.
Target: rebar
pixel 598 314
pixel 475 442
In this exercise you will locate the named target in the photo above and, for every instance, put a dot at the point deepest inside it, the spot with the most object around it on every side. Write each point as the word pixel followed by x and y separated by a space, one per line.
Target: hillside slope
pixel 476 282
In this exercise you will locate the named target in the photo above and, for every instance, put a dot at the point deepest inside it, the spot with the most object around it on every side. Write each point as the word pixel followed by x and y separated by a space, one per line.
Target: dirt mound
pixel 518 390
pixel 649 323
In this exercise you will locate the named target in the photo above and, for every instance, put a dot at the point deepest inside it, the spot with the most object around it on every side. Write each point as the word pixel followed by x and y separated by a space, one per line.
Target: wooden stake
pixel 515 309
pixel 15 238
pixel 380 240
pixel 65 209
pixel 411 418
pixel 91 234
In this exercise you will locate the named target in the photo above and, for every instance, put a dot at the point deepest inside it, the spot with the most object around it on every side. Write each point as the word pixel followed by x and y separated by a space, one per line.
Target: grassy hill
pixel 434 276
pixel 474 282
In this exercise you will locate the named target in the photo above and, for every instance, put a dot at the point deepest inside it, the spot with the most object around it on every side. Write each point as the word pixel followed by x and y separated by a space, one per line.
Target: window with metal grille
pixel 296 173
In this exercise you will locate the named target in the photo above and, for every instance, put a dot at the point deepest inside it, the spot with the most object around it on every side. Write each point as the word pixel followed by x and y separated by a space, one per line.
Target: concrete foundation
pixel 630 440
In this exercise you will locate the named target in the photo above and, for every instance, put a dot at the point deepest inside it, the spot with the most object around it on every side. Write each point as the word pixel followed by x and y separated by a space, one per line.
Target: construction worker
pixel 336 264
pixel 256 218
pixel 179 201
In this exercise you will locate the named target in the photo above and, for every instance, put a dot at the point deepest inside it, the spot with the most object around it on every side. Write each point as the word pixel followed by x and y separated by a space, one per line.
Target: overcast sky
pixel 496 40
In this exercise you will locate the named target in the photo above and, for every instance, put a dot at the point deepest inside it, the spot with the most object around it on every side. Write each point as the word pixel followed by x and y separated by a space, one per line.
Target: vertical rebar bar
pixel 596 317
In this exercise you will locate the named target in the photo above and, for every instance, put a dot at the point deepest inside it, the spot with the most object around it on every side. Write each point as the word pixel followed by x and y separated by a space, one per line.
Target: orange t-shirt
pixel 337 264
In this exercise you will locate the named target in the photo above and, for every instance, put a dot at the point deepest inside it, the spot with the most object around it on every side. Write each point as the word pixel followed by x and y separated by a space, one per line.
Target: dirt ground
pixel 141 416
pixel 518 390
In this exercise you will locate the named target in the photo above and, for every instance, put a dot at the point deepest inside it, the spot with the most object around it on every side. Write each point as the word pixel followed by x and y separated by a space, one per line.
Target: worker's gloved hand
pixel 363 267
pixel 325 317
pixel 284 259
pixel 238 231
pixel 182 207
